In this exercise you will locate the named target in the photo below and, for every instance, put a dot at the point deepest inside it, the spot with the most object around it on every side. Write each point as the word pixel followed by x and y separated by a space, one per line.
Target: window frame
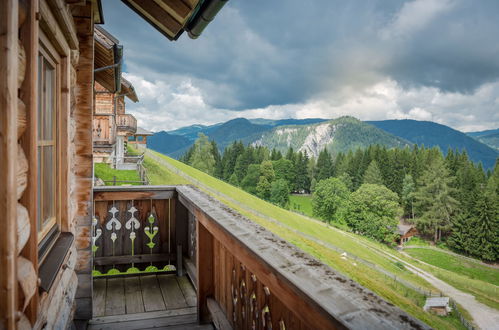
pixel 50 230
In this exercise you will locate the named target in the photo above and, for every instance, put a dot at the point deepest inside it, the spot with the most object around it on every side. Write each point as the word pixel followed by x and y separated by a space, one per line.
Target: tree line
pixel 448 198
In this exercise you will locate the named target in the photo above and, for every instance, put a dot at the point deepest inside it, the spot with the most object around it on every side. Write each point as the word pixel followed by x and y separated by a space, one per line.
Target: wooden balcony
pixel 174 257
pixel 126 124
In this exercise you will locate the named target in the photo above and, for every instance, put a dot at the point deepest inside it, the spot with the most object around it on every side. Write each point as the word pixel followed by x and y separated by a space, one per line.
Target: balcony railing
pixel 126 123
pixel 245 277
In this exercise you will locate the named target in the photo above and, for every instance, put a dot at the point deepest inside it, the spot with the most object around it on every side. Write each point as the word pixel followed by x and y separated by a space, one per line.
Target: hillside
pixel 489 137
pixel 239 129
pixel 339 135
pixel 364 261
pixel 432 134
pixel 167 143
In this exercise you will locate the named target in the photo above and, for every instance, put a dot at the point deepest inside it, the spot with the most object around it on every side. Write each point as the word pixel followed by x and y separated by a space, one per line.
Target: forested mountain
pixel 341 134
pixel 338 135
pixel 283 122
pixel 489 137
pixel 167 143
pixel 432 134
pixel 448 198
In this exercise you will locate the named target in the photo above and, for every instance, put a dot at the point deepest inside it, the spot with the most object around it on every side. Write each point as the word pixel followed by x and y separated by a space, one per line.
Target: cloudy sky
pixel 373 59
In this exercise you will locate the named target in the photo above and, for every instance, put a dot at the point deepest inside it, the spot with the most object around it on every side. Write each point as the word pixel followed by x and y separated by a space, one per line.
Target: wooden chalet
pixel 112 126
pixel 131 257
pixel 139 139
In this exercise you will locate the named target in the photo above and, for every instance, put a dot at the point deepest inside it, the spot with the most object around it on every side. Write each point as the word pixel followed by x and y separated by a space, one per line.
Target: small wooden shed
pixel 437 305
pixel 406 231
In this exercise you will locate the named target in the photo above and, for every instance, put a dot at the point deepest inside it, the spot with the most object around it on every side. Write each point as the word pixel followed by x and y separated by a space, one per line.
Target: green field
pixel 301 204
pixel 286 226
pixel 106 173
pixel 463 266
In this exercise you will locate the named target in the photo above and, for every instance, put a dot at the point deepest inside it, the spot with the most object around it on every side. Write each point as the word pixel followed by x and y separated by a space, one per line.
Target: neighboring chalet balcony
pixel 126 124
pixel 173 256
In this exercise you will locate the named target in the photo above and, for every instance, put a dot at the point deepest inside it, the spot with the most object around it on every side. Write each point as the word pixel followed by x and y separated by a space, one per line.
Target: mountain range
pixel 489 137
pixel 337 135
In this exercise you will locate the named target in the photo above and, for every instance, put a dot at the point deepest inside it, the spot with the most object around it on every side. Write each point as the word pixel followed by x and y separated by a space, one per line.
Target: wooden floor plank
pixel 133 295
pixel 151 294
pixel 187 290
pixel 142 316
pixel 172 294
pixel 115 297
pixel 99 297
pixel 156 323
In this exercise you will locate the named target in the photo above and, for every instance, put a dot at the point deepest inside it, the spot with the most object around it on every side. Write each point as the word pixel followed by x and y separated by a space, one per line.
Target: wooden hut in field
pixel 405 232
pixel 72 255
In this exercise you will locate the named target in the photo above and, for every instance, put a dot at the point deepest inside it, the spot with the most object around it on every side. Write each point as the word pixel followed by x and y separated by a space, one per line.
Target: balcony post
pixel 204 270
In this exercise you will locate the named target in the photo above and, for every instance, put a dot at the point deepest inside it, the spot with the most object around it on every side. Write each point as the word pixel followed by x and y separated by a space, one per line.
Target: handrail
pixel 251 277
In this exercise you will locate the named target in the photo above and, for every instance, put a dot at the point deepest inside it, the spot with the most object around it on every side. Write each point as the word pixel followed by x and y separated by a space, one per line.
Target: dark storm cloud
pixel 370 58
pixel 262 52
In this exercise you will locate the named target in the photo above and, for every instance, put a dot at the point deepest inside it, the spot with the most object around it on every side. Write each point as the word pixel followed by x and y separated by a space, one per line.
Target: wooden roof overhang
pixel 108 57
pixel 128 90
pixel 173 17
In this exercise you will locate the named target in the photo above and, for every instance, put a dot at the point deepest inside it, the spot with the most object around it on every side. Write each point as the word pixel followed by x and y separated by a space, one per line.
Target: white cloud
pixel 414 16
pixel 177 102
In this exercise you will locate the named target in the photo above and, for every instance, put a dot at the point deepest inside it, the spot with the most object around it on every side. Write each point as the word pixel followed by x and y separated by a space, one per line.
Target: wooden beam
pixel 132 195
pixel 29 37
pixel 217 315
pixel 8 150
pixel 49 25
pixel 204 269
pixel 294 299
pixel 65 20
pixel 122 260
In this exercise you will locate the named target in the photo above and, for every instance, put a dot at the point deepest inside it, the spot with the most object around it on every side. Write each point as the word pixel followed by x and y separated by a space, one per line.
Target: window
pixel 47 222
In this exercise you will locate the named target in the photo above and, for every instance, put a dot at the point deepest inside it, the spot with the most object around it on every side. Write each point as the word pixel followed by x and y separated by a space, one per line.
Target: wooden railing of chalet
pixel 245 277
pixel 126 122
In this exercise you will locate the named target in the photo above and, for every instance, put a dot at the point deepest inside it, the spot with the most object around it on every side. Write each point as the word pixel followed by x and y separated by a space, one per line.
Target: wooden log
pixel 22 118
pixel 23 322
pixel 28 280
pixel 23 227
pixel 22 171
pixel 21 64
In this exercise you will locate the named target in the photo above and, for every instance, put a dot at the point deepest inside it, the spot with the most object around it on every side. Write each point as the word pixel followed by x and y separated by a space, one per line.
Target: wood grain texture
pixel 8 170
pixel 151 294
pixel 28 95
pixel 99 297
pixel 172 295
pixel 115 297
pixel 23 227
pixel 133 295
pixel 22 172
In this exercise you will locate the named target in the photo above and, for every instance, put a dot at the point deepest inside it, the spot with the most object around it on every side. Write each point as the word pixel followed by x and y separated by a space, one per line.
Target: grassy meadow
pixel 106 173
pixel 290 225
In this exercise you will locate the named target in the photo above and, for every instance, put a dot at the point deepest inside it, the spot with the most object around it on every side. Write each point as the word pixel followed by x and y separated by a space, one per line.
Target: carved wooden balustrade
pixel 126 123
pixel 134 231
pixel 245 277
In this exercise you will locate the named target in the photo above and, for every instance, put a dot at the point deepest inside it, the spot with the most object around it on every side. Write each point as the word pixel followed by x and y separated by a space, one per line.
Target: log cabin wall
pixel 24 25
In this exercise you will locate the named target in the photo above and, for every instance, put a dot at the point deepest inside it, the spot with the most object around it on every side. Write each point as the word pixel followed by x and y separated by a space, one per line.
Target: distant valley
pixel 337 135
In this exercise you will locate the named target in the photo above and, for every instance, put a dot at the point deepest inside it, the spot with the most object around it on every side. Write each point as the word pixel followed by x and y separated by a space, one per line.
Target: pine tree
pixel 408 190
pixel 434 203
pixel 324 166
pixel 373 174
pixel 218 173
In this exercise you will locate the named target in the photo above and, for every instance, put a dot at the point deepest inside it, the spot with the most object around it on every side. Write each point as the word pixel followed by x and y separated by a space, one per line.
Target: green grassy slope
pixel 472 269
pixel 106 173
pixel 286 226
pixel 301 204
